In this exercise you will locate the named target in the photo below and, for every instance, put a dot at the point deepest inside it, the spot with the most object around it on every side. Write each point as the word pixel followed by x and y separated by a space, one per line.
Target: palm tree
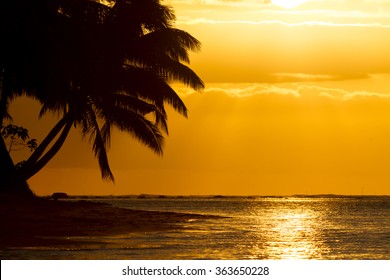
pixel 99 67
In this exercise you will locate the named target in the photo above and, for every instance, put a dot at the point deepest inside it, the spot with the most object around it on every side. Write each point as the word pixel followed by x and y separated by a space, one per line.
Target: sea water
pixel 329 227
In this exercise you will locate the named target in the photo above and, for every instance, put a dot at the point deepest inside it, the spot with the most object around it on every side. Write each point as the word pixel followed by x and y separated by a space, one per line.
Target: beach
pixel 43 222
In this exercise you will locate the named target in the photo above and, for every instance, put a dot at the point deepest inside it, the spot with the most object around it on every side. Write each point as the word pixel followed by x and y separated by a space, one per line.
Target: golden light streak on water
pixel 294 232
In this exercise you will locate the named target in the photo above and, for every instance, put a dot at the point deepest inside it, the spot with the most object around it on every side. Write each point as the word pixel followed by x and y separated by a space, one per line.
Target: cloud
pixel 304 76
pixel 258 2
pixel 339 93
pixel 357 94
pixel 241 90
pixel 308 77
pixel 191 21
pixel 253 89
pixel 297 90
pixel 219 3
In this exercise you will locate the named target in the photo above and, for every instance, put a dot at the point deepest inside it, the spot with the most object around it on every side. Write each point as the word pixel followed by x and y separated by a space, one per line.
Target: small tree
pixel 17 139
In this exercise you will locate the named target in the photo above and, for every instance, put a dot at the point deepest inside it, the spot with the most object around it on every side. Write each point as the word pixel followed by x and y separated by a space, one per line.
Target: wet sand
pixel 44 222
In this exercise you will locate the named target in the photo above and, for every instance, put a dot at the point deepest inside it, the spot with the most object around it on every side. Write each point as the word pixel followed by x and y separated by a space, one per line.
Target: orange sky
pixel 296 101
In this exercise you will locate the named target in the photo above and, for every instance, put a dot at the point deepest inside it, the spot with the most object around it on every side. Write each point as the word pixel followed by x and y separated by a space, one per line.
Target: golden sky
pixel 297 100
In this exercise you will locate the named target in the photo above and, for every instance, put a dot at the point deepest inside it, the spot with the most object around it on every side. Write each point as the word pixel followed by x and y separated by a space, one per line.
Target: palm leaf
pixel 151 15
pixel 148 85
pixel 174 42
pixel 140 127
pixel 164 66
pixel 91 128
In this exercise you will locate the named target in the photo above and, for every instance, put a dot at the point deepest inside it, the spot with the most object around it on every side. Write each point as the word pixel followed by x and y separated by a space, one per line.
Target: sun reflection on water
pixel 293 232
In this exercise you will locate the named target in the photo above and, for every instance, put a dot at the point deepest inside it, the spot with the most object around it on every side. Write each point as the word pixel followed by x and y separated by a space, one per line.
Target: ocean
pixel 268 228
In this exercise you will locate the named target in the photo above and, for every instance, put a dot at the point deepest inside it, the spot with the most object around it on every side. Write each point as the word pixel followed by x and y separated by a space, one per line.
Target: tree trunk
pixel 30 170
pixel 32 160
pixel 10 182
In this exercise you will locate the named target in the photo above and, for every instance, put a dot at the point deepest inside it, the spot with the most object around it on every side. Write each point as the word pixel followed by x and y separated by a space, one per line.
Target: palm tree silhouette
pixel 98 66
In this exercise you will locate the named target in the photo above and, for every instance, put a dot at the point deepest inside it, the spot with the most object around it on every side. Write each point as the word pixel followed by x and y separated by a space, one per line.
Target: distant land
pixel 161 196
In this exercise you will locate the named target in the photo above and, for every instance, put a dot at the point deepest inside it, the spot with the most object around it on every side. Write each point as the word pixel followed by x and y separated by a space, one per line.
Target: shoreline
pixel 42 222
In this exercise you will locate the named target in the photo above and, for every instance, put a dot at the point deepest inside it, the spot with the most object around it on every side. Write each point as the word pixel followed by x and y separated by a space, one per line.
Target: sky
pixel 297 101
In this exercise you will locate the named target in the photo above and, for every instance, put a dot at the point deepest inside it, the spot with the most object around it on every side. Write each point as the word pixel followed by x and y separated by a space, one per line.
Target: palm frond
pixel 174 42
pixel 87 11
pixel 148 85
pixel 91 128
pixel 142 106
pixel 175 71
pixel 151 14
pixel 140 127
pixel 106 107
pixel 128 102
pixel 164 66
pixel 106 133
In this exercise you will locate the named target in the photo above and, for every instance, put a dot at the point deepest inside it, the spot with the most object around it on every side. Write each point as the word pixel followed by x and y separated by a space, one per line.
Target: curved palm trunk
pixel 37 161
pixel 46 142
